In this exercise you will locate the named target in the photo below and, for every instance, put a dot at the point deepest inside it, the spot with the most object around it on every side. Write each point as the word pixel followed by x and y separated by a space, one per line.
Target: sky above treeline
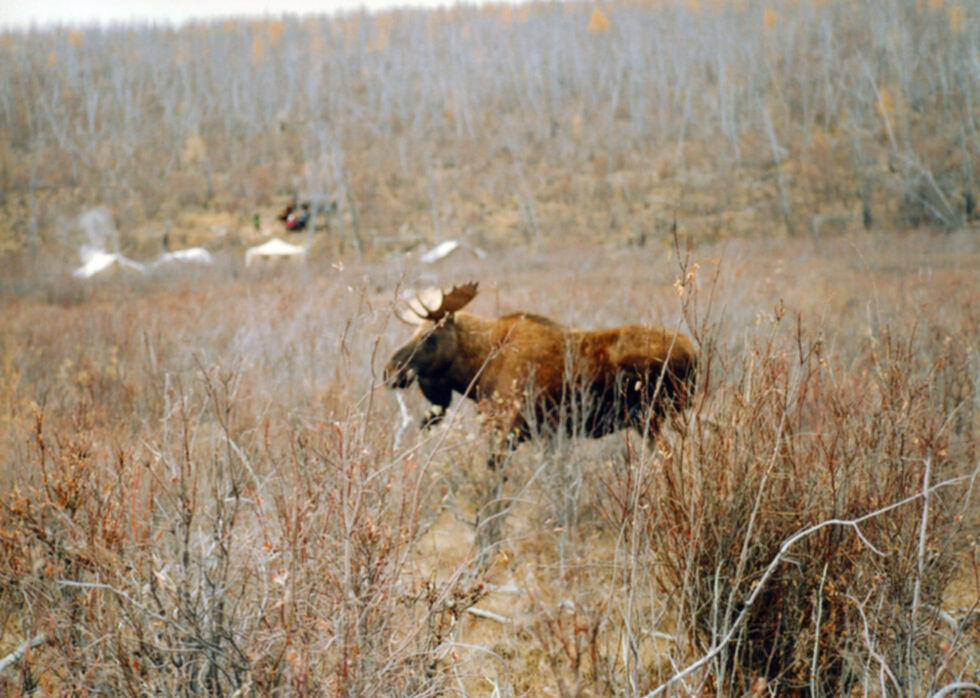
pixel 22 14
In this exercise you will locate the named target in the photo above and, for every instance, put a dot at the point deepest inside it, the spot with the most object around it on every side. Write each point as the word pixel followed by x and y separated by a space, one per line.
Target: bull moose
pixel 526 371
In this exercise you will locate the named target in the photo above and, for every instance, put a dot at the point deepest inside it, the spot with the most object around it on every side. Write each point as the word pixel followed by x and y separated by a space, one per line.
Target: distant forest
pixel 608 120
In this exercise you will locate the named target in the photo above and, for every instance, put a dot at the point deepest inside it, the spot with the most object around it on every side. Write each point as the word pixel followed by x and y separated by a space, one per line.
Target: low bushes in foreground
pixel 217 506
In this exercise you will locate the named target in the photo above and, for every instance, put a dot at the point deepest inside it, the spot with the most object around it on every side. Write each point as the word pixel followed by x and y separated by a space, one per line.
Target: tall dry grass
pixel 803 442
pixel 202 493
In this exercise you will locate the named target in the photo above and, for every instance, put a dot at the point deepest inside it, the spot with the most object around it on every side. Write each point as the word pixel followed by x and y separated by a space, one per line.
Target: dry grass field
pixel 202 492
pixel 206 488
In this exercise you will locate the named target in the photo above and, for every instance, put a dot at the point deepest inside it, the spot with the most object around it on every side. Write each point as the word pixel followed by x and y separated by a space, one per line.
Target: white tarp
pixel 274 249
pixel 444 249
pixel 98 261
pixel 198 255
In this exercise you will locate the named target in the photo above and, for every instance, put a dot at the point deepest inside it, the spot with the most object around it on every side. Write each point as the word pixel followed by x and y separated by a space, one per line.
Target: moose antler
pixel 414 308
pixel 450 303
pixel 433 304
pixel 457 298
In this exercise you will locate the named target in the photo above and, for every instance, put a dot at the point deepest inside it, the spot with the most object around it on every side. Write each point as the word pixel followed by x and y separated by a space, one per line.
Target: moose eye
pixel 429 343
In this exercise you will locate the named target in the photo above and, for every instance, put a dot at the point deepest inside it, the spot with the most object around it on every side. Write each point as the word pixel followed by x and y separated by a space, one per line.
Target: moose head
pixel 435 345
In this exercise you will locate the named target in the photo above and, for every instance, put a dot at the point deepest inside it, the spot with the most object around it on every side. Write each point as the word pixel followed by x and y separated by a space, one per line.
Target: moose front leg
pixel 432 417
pixel 440 396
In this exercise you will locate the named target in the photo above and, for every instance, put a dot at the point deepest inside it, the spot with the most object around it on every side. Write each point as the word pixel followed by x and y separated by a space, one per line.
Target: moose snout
pixel 399 375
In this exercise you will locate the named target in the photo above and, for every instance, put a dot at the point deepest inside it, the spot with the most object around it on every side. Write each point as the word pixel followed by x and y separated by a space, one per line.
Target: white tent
pixel 274 249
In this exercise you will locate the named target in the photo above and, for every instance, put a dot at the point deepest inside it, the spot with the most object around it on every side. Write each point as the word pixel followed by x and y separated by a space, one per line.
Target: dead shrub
pixel 795 440
pixel 218 561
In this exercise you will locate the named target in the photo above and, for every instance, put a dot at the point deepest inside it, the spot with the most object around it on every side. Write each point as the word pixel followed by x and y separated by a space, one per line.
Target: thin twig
pixel 19 653
pixel 955 687
pixel 489 615
pixel 406 420
pixel 816 632
pixel 920 561
pixel 123 595
pixel 884 670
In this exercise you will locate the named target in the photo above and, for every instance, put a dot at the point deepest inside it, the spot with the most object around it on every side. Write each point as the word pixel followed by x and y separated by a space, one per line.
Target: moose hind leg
pixel 501 448
pixel 648 420
pixel 503 443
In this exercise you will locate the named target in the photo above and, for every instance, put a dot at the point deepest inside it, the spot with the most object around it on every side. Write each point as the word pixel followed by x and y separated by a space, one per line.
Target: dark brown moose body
pixel 529 374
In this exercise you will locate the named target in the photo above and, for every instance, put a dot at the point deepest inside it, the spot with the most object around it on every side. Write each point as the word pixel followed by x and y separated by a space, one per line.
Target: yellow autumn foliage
pixel 194 149
pixel 886 103
pixel 275 32
pixel 380 41
pixel 316 43
pixel 598 22
pixel 956 18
